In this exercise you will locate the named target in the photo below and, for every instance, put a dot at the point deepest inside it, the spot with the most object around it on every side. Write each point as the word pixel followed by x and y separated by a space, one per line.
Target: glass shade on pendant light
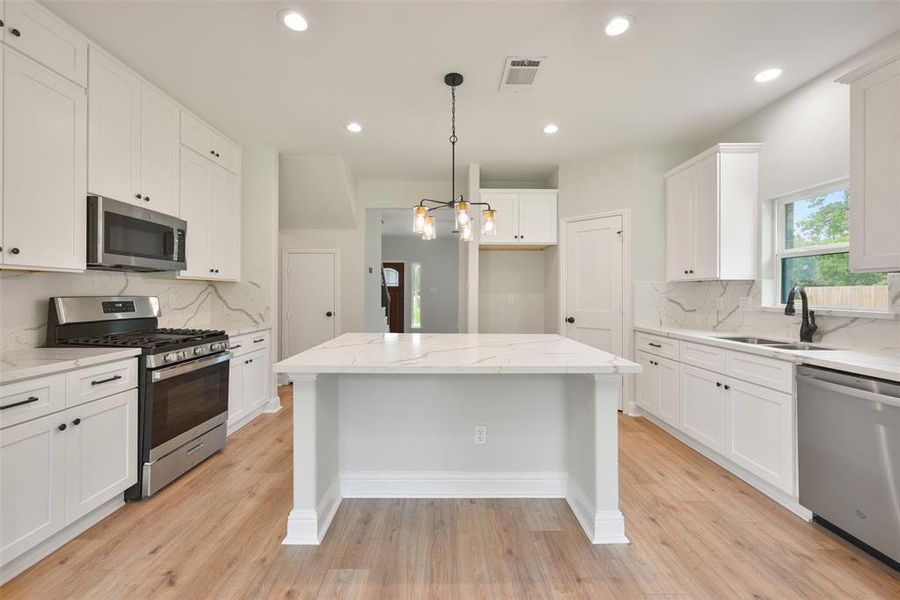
pixel 489 223
pixel 462 213
pixel 429 232
pixel 465 232
pixel 420 214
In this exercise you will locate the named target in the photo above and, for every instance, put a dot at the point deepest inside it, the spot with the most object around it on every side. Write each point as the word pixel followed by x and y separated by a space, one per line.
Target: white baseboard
pixel 779 496
pixel 232 427
pixel 601 527
pixel 308 527
pixel 59 539
pixel 273 405
pixel 453 484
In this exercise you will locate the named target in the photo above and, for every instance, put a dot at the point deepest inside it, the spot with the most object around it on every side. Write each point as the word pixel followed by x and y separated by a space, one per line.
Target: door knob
pixel 329 313
pixel 570 319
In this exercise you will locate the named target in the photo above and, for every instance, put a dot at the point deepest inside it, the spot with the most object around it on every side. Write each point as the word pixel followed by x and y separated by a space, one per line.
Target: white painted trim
pixel 338 300
pixel 788 502
pixel 453 484
pixel 629 405
pixel 59 539
pixel 601 527
pixel 308 527
pixel 272 405
pixel 730 148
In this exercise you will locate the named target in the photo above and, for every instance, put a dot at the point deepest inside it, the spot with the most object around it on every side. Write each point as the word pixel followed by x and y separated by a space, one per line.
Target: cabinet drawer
pixel 249 342
pixel 92 383
pixel 768 372
pixel 705 357
pixel 657 345
pixel 26 400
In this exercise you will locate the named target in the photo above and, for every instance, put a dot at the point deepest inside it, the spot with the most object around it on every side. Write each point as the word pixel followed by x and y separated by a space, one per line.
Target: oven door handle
pixel 188 367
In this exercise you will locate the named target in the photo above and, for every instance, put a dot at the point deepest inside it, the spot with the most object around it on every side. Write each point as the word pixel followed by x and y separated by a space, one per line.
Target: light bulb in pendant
pixel 429 231
pixel 465 232
pixel 420 213
pixel 462 214
pixel 489 223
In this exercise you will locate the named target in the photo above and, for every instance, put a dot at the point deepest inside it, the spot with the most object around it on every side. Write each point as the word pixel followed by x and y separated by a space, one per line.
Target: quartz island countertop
pixel 446 353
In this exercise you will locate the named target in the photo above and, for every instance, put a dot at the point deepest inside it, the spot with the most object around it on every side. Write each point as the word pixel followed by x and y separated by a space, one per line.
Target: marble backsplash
pixel 184 303
pixel 715 306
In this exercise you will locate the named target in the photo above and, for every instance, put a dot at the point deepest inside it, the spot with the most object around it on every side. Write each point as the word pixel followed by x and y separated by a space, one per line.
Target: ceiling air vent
pixel 519 72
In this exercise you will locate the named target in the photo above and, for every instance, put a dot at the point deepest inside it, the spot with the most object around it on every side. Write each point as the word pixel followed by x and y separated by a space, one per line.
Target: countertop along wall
pixel 184 303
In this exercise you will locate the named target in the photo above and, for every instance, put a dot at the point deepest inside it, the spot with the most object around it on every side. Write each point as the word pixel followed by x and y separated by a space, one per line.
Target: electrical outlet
pixel 480 434
pixel 510 299
pixel 745 302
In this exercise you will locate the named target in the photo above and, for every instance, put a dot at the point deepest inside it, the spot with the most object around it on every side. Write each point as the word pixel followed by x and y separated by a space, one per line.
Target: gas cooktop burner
pixel 149 339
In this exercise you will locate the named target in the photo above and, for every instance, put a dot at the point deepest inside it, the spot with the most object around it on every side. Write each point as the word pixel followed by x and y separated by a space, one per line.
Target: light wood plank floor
pixel 696 532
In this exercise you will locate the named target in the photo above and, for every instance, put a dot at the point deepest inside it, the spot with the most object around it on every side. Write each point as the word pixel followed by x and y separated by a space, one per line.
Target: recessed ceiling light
pixel 354 127
pixel 293 20
pixel 618 25
pixel 551 128
pixel 767 75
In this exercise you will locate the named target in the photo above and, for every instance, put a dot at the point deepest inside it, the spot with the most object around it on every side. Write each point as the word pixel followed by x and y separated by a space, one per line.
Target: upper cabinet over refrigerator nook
pixel 524 217
pixel 712 209
pixel 875 164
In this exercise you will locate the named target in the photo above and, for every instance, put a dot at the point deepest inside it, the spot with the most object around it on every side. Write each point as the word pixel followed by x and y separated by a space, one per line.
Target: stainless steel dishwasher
pixel 848 430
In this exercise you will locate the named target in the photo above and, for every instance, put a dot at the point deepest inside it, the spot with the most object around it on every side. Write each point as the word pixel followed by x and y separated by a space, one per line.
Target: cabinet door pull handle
pixel 107 380
pixel 14 250
pixel 29 400
pixel 258 340
pixel 654 345
pixel 15 32
pixel 195 448
pixel 235 347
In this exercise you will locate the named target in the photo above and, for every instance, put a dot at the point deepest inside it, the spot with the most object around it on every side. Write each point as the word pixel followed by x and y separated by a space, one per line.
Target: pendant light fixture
pixel 423 221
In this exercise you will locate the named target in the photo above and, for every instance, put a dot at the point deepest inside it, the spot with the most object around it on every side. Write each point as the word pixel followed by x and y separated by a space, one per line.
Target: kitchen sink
pixel 798 346
pixel 749 340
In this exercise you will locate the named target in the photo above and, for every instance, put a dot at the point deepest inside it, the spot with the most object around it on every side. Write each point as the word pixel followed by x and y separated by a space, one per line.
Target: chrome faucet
pixel 808 325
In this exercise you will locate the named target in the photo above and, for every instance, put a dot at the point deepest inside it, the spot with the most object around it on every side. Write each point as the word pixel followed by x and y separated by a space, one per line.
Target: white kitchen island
pixel 396 415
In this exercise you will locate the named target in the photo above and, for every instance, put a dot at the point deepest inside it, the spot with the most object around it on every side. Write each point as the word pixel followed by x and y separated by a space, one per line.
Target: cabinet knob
pixel 147 198
pixel 685 272
pixel 213 152
pixel 76 422
pixel 14 250
pixel 62 427
pixel 217 270
pixel 570 319
pixel 691 271
pixel 727 387
pixel 218 155
pixel 329 313
pixel 212 270
pixel 718 384
pixel 15 32
pixel 138 196
pixel 1 22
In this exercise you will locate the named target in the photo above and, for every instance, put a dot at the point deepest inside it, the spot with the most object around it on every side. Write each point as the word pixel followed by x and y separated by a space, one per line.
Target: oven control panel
pixel 118 306
pixel 177 356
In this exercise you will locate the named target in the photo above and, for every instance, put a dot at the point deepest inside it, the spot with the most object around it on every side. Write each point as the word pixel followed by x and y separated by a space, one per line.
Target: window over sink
pixel 812 249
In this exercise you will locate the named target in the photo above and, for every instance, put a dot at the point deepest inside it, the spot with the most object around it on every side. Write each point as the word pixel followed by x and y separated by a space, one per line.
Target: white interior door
pixel 594 289
pixel 310 298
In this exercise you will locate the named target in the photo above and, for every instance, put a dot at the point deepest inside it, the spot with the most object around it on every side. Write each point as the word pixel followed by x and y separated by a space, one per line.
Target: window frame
pixel 780 252
pixel 415 266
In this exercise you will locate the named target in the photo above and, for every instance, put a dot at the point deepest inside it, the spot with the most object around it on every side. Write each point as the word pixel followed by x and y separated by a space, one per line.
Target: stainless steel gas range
pixel 182 380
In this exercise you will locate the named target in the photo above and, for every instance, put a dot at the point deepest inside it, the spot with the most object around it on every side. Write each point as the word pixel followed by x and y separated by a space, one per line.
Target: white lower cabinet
pixel 648 383
pixel 668 406
pixel 57 468
pixel 760 432
pixel 32 484
pixel 703 407
pixel 101 452
pixel 249 378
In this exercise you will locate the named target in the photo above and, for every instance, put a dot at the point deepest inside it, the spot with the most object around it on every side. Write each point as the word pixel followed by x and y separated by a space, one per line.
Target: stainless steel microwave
pixel 124 237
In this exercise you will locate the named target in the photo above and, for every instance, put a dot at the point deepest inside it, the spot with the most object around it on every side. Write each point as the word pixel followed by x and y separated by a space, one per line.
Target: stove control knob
pixel 198 351
pixel 170 357
pixel 215 347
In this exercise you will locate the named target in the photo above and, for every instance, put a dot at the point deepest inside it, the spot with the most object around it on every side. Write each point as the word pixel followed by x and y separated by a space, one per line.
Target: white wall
pixel 440 279
pixel 511 274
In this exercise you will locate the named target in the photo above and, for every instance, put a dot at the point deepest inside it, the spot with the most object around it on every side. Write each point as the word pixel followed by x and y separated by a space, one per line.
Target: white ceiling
pixel 683 71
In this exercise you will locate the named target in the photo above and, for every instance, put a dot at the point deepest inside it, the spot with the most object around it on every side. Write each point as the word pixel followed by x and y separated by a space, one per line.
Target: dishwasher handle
pixel 849 391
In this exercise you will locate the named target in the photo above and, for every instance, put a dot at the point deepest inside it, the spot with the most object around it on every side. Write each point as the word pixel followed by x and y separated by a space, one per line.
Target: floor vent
pixel 519 72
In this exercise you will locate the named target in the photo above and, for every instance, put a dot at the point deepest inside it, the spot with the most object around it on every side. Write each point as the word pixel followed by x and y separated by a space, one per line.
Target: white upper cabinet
pixel 159 152
pixel 133 138
pixel 36 32
pixel 114 130
pixel 210 203
pixel 44 167
pixel 875 165
pixel 204 140
pixel 711 214
pixel 524 217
